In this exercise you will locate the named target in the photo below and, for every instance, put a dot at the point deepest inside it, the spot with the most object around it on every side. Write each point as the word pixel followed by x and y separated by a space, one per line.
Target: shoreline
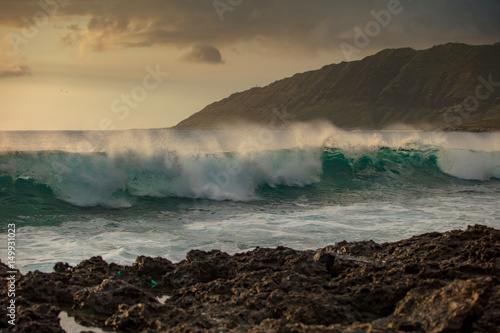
pixel 435 281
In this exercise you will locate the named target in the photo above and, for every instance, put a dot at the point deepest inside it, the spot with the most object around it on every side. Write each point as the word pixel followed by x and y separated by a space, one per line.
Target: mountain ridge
pixel 434 88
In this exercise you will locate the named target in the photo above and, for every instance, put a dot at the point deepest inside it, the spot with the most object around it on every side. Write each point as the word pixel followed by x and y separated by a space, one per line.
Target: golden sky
pixel 121 64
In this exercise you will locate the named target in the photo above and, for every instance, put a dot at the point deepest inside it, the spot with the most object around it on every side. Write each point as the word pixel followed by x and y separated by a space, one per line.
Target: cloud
pixel 72 36
pixel 204 54
pixel 14 71
pixel 106 33
pixel 11 64
pixel 277 26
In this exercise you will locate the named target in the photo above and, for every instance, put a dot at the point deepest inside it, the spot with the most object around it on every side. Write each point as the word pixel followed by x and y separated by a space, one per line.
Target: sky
pixel 123 64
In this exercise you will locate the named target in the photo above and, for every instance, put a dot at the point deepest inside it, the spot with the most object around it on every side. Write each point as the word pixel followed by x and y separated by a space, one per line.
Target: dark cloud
pixel 204 53
pixel 15 71
pixel 72 36
pixel 283 25
pixel 74 27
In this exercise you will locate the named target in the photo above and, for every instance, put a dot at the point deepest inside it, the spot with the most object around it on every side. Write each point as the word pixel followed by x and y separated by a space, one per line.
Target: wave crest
pixel 233 166
pixel 100 179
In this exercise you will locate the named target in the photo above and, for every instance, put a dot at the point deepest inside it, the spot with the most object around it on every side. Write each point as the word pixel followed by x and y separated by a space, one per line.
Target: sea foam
pixel 111 168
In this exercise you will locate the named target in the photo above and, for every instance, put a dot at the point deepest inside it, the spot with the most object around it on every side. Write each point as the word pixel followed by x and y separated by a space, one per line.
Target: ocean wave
pixel 469 164
pixel 101 179
pixel 113 180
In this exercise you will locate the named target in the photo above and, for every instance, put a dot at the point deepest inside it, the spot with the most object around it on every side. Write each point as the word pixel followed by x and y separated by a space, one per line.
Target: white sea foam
pixel 96 168
pixel 470 164
pixel 114 169
pixel 237 227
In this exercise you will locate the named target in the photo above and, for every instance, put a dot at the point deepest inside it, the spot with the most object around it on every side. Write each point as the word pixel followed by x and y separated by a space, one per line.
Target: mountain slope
pixel 394 86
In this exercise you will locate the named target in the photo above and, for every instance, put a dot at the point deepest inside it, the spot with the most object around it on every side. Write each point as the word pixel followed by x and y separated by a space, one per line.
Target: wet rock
pixel 153 317
pixel 61 267
pixel 154 268
pixel 105 298
pixel 452 308
pixel 280 325
pixel 38 318
pixel 490 319
pixel 42 287
pixel 91 272
pixel 432 282
pixel 336 263
pixel 135 318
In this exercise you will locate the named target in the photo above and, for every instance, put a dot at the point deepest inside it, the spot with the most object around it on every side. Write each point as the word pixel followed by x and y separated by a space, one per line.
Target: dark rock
pixel 38 318
pixel 446 282
pixel 135 318
pixel 41 287
pixel 61 267
pixel 90 272
pixel 105 298
pixel 452 308
pixel 153 317
pixel 336 263
pixel 153 268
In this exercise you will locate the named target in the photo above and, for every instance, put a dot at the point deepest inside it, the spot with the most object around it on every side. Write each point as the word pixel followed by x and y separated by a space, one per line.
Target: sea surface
pixel 120 194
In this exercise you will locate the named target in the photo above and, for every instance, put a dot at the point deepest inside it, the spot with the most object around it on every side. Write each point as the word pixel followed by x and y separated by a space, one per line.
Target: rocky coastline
pixel 439 282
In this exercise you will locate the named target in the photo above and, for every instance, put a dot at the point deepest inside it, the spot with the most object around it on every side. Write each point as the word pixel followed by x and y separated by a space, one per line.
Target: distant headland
pixel 447 87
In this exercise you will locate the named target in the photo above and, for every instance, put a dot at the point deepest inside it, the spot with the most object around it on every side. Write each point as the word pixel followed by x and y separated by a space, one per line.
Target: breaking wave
pixel 92 179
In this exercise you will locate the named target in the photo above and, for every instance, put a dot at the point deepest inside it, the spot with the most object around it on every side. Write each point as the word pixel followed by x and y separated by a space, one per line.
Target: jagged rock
pixel 432 282
pixel 105 298
pixel 61 267
pixel 153 317
pixel 91 272
pixel 135 318
pixel 37 318
pixel 152 267
pixel 336 263
pixel 42 287
pixel 452 308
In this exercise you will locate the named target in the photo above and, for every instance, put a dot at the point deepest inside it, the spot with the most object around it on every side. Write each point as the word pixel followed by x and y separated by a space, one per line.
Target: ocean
pixel 121 194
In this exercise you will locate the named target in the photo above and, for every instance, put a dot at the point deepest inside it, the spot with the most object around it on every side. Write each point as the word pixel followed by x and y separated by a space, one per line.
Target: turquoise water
pixel 162 192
